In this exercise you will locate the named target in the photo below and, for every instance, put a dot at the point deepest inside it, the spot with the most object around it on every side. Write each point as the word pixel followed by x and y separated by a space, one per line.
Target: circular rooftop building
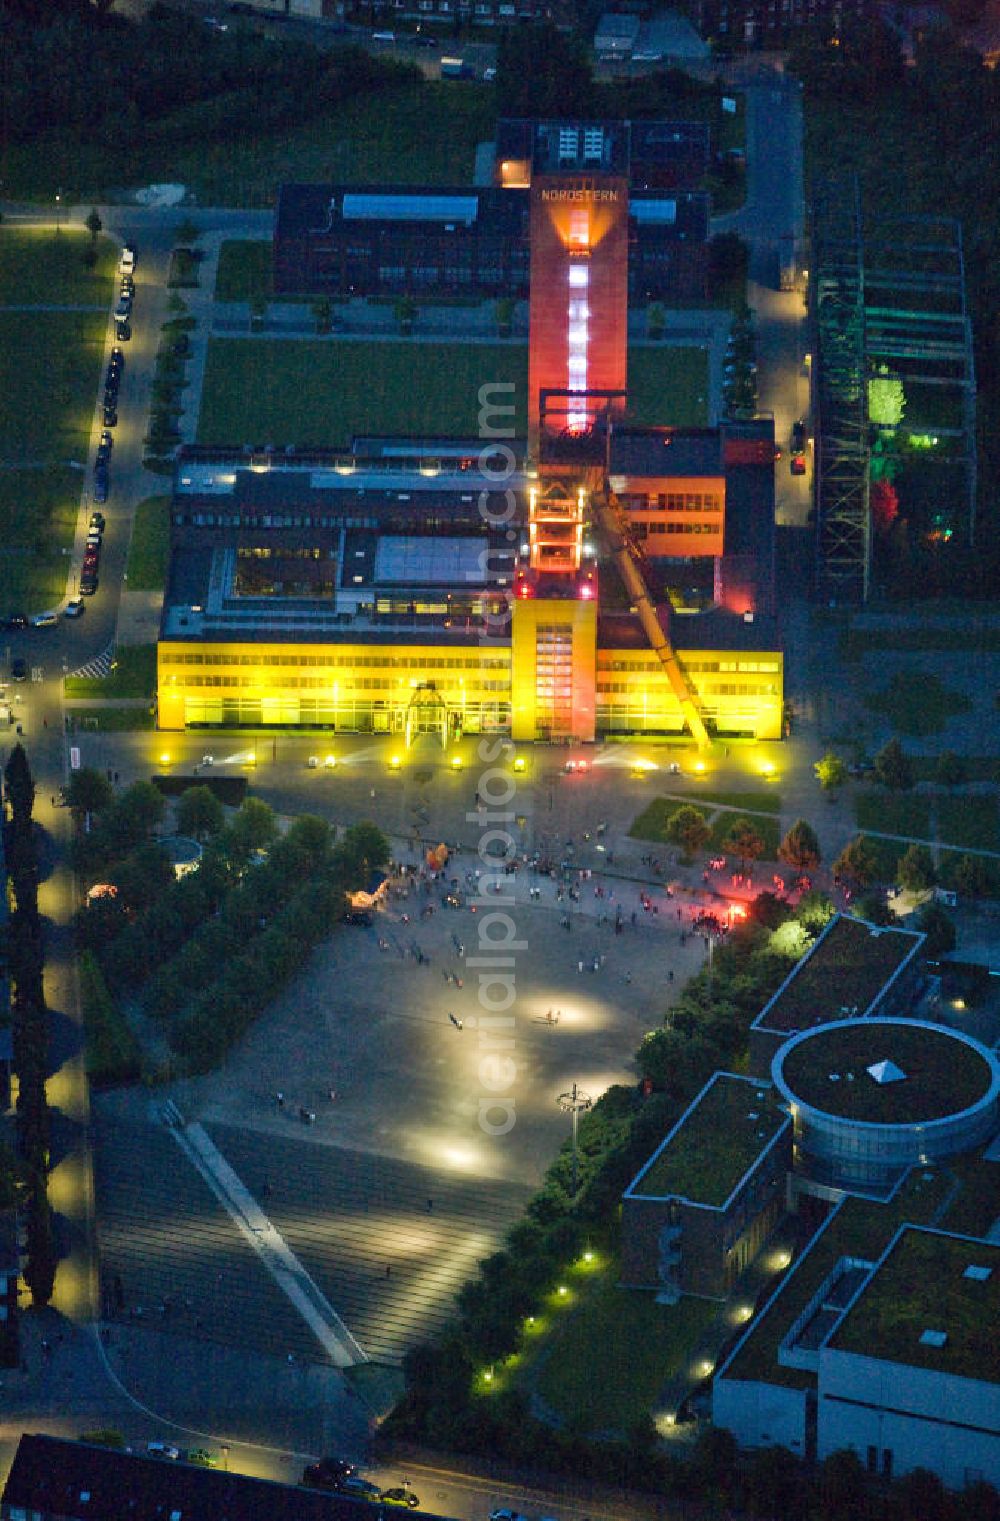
pixel 871 1097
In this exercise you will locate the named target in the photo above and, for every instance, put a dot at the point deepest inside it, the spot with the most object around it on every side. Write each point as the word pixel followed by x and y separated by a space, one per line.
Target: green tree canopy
pixel 688 828
pixel 253 827
pixel 893 767
pixel 363 848
pixel 744 841
pixel 143 877
pixel 800 847
pixel 144 804
pixel 972 877
pixel 89 791
pixel 951 770
pixel 831 772
pixel 20 784
pixel 200 814
pixel 856 865
pixel 916 870
pixel 886 398
pixel 939 928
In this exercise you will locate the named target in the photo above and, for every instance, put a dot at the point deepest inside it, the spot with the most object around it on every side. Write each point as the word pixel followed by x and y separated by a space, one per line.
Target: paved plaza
pixel 391 1191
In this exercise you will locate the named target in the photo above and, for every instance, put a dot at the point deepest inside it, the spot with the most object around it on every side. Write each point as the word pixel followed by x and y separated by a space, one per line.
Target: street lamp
pixel 58 209
pixel 225 1456
pixel 574 1103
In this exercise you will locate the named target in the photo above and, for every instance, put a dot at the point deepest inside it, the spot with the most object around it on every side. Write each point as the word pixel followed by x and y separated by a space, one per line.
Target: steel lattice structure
pixel 843 524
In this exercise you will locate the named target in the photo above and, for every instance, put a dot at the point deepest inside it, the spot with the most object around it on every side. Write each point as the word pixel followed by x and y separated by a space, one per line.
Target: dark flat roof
pixel 846 969
pixel 715 630
pixel 666 451
pixel 75 1479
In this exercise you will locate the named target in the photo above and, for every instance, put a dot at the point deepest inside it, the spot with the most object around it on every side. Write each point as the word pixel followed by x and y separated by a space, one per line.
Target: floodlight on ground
pixel 456 762
pixel 394 763
pixel 519 763
pixel 164 759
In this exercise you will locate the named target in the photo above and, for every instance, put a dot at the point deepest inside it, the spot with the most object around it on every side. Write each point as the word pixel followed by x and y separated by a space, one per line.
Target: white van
pixel 126 263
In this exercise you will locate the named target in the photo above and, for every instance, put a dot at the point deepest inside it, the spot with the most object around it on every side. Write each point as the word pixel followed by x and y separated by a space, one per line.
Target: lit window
pixel 577 335
pixel 577 366
pixel 579 276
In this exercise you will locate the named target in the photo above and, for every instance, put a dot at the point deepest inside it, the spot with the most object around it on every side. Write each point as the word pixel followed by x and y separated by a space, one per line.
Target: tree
pixel 972 877
pixel 143 877
pixel 311 835
pixel 744 841
pixel 89 791
pixel 689 829
pixel 800 847
pixel 504 313
pixel 363 848
pixel 856 865
pixel 144 805
pixel 951 770
pixel 322 314
pixel 886 398
pixel 933 922
pixel 200 814
pixel 40 1268
pixel 543 72
pixel 254 826
pixel 873 908
pixel 94 225
pixel 893 767
pixel 842 1484
pixel 831 772
pixel 814 910
pixel 406 313
pixel 884 502
pixel 20 785
pixel 916 871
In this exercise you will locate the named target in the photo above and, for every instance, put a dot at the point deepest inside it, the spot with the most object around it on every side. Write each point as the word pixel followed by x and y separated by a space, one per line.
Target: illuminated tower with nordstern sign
pixel 577 365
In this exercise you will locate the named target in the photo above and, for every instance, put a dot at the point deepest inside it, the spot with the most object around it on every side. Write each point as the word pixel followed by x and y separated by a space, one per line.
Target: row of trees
pixel 892 768
pixel 193 84
pixel 30 1027
pixel 204 954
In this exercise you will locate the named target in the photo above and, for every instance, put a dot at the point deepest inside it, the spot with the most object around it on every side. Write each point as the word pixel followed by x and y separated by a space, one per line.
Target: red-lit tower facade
pixel 577 369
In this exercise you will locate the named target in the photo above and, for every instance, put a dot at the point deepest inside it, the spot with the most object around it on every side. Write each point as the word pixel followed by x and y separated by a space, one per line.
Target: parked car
pixel 97 522
pixel 44 620
pixel 328 1473
pixel 17 620
pixel 797 464
pixel 100 484
pixel 110 415
pixel 74 608
pixel 124 308
pixel 361 1489
pixel 126 263
pixel 163 1450
pixel 88 584
pixel 202 1457
pixel 799 437
pixel 19 668
pixel 123 330
pixel 127 286
pixel 400 1497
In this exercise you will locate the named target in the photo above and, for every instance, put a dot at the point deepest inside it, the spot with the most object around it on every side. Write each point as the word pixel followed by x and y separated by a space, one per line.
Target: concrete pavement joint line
pixel 277 1257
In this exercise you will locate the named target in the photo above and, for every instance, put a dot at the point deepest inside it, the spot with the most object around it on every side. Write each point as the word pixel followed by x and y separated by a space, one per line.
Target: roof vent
pixel 977 1272
pixel 933 1338
pixel 84 1496
pixel 885 1072
pixel 753 1115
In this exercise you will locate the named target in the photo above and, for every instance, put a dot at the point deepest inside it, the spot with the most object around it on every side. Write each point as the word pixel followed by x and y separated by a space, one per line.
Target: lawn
pixel 969 820
pixel 301 392
pixel 149 547
pixel 39 267
pixel 916 702
pixel 606 1365
pixel 245 270
pixel 42 435
pixel 51 400
pixel 418 134
pixel 893 813
pixel 38 513
pixel 133 675
pixel 760 807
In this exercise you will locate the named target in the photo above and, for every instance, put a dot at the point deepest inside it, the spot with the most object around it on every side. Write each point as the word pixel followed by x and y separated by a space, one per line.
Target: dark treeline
pixel 72 67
